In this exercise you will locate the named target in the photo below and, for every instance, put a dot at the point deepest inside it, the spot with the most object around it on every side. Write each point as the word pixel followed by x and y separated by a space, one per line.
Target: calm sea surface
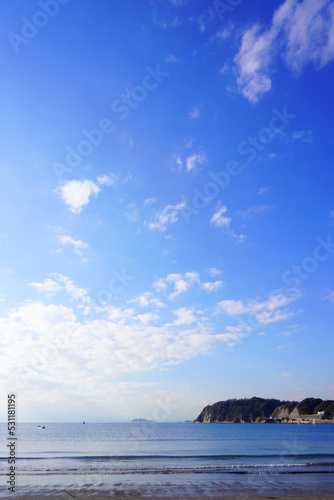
pixel 104 453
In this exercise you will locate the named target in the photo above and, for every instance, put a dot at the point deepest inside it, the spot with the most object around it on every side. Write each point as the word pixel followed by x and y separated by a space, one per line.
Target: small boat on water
pixel 41 426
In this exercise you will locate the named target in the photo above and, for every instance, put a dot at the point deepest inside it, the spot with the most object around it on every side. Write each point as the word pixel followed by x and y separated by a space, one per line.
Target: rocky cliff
pixel 307 409
pixel 239 410
pixel 267 410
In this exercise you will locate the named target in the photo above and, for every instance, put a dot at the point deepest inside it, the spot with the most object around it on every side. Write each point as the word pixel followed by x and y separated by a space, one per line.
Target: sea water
pixel 103 455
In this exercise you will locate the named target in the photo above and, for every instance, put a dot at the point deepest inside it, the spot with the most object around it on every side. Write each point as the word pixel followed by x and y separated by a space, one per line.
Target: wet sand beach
pixel 83 495
pixel 262 489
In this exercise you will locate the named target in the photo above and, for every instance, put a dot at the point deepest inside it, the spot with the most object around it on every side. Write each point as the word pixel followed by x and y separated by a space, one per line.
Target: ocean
pixel 148 458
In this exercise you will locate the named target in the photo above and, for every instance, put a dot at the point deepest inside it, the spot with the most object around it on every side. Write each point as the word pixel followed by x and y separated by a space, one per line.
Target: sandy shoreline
pixel 83 495
pixel 162 493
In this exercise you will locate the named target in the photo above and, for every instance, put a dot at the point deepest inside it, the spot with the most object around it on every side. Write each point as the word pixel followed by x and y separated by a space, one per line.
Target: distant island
pixel 140 420
pixel 259 410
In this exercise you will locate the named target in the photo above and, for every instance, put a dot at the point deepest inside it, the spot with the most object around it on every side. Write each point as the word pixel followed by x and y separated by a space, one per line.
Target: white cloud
pixel 107 180
pixel 147 299
pixel 78 245
pixel 264 312
pixel 181 283
pixel 233 334
pixel 177 163
pixel 211 286
pixel 76 194
pixel 184 316
pixel 147 318
pixel 48 286
pixel 168 215
pixel 221 221
pixel 238 238
pixel 195 160
pixel 194 114
pixel 218 219
pixel 47 346
pixel 149 201
pixel 300 32
pixel 232 307
pixel 286 374
pixel 75 292
pixel 213 271
pixel 60 282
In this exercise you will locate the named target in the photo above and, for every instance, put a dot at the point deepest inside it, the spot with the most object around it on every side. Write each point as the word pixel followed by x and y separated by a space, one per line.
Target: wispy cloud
pixel 329 296
pixel 166 216
pixel 179 3
pixel 219 219
pixel 195 160
pixel 250 212
pixel 263 190
pixel 149 201
pixel 194 114
pixel 298 135
pixel 58 282
pixel 283 346
pixel 264 312
pixel 181 283
pixel 78 245
pixel 165 24
pixel 211 286
pixel 300 32
pixel 222 34
pixel 213 271
pixel 132 213
pixel 147 299
pixel 107 180
pixel 171 59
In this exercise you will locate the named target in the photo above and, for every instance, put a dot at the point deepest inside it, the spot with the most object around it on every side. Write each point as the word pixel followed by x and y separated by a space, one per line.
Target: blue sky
pixel 166 237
